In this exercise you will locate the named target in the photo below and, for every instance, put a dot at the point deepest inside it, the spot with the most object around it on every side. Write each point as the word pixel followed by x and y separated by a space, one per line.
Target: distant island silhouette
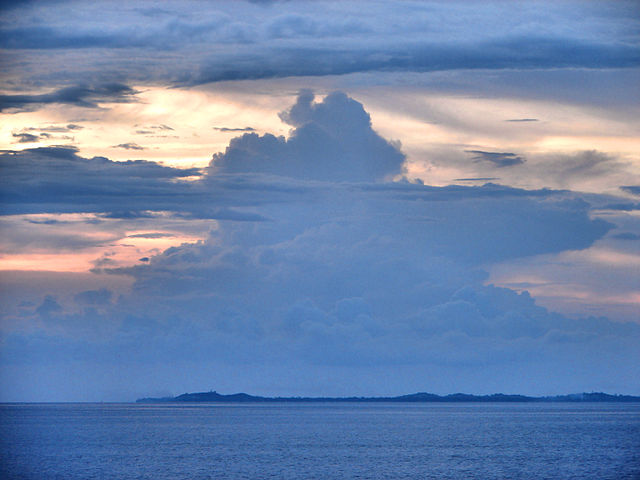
pixel 421 397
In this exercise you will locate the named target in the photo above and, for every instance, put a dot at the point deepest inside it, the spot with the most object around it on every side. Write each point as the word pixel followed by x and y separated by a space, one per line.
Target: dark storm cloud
pixel 315 39
pixel 633 189
pixel 44 37
pixel 513 53
pixel 173 34
pixel 81 96
pixel 56 179
pixel 499 159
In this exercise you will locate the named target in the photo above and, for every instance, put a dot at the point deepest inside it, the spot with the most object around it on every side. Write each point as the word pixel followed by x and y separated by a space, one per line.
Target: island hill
pixel 412 398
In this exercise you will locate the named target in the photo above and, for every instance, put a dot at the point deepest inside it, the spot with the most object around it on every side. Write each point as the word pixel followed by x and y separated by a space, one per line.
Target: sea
pixel 320 441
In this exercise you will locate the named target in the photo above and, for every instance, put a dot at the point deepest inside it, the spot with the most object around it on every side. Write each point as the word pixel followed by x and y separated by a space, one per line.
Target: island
pixel 421 397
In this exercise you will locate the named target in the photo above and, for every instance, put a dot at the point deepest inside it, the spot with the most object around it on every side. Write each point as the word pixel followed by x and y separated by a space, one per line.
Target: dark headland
pixel 412 398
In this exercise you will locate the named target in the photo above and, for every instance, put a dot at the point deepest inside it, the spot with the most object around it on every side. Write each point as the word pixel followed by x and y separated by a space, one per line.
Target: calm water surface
pixel 320 441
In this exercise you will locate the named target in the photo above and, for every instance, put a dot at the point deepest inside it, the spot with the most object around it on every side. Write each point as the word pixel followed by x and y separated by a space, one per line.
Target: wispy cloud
pixel 26 137
pixel 81 96
pixel 129 146
pixel 230 129
pixel 499 159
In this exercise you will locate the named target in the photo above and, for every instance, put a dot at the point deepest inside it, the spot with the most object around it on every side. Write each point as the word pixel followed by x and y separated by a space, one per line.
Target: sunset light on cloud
pixel 249 191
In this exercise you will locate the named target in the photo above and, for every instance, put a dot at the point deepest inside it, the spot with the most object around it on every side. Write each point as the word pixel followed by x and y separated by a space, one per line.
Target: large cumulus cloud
pixel 332 140
pixel 337 272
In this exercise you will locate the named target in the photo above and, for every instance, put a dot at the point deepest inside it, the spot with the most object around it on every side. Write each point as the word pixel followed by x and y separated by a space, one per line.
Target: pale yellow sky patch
pixel 191 115
pixel 436 129
pixel 629 147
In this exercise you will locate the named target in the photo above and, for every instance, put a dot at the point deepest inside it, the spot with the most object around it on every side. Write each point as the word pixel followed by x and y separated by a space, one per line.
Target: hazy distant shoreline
pixel 422 397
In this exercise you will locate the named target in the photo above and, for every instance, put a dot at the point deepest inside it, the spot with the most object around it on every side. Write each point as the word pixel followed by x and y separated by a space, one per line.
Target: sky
pixel 318 198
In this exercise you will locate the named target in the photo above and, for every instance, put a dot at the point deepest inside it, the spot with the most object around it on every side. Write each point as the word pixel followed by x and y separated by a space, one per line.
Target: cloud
pixel 578 168
pixel 80 95
pixel 475 179
pixel 151 235
pixel 94 297
pixel 46 221
pixel 332 269
pixel 153 129
pixel 522 120
pixel 267 2
pixel 633 189
pixel 585 164
pixel 516 53
pixel 63 181
pixel 331 146
pixel 332 140
pixel 129 146
pixel 56 128
pixel 227 129
pixel 26 137
pixel 312 40
pixel 46 37
pixel 586 171
pixel 330 299
pixel 48 307
pixel 128 214
pixel 626 236
pixel 623 207
pixel 499 159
